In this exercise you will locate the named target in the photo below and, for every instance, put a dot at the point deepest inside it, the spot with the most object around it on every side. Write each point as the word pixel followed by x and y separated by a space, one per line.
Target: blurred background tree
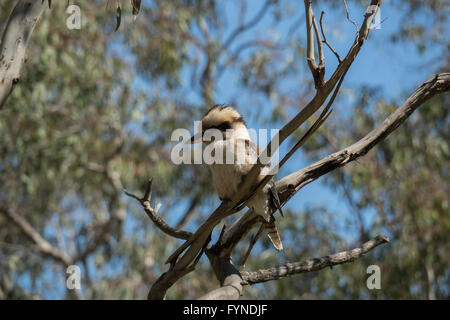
pixel 95 110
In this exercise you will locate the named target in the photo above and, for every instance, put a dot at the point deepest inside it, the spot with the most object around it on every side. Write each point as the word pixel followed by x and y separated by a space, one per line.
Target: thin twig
pixel 310 57
pixel 252 243
pixel 325 39
pixel 348 16
pixel 152 213
pixel 148 191
pixel 320 120
pixel 319 44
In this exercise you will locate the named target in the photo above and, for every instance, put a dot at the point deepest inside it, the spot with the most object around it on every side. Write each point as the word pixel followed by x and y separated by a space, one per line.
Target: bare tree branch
pixel 360 38
pixel 320 49
pixel 320 120
pixel 317 71
pixel 348 16
pixel 230 279
pixel 237 231
pixel 252 243
pixel 325 91
pixel 310 265
pixel 325 39
pixel 21 23
pixel 310 57
pixel 152 213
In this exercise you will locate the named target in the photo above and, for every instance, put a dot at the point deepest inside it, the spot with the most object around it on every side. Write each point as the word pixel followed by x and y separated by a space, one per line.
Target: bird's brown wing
pixel 254 149
pixel 272 232
pixel 274 197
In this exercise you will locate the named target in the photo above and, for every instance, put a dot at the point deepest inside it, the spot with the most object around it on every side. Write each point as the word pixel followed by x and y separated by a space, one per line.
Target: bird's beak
pixel 196 138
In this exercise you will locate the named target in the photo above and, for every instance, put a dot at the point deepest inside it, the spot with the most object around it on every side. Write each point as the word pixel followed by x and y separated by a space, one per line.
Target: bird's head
pixel 222 121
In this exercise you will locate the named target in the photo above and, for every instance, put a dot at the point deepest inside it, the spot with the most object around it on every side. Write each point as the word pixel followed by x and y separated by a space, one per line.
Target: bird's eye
pixel 224 126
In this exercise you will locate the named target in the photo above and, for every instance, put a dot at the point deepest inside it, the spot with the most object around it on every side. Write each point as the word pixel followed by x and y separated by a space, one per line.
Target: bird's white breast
pixel 228 176
pixel 228 170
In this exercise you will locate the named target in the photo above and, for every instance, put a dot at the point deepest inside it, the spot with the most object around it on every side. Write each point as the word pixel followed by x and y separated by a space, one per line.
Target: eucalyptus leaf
pixel 118 16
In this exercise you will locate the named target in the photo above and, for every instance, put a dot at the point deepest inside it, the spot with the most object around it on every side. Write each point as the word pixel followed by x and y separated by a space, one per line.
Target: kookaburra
pixel 232 139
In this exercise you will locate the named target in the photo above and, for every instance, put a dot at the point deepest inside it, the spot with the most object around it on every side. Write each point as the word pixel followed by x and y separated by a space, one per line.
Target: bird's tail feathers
pixel 273 234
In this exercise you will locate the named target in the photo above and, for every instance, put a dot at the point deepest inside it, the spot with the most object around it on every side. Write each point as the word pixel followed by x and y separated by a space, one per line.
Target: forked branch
pixel 325 39
pixel 152 213
pixel 317 71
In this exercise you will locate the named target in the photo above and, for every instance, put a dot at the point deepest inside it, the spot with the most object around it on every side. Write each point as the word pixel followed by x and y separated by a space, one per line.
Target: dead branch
pixel 311 265
pixel 348 16
pixel 325 38
pixel 229 277
pixel 152 213
pixel 232 280
pixel 317 71
pixel 252 243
